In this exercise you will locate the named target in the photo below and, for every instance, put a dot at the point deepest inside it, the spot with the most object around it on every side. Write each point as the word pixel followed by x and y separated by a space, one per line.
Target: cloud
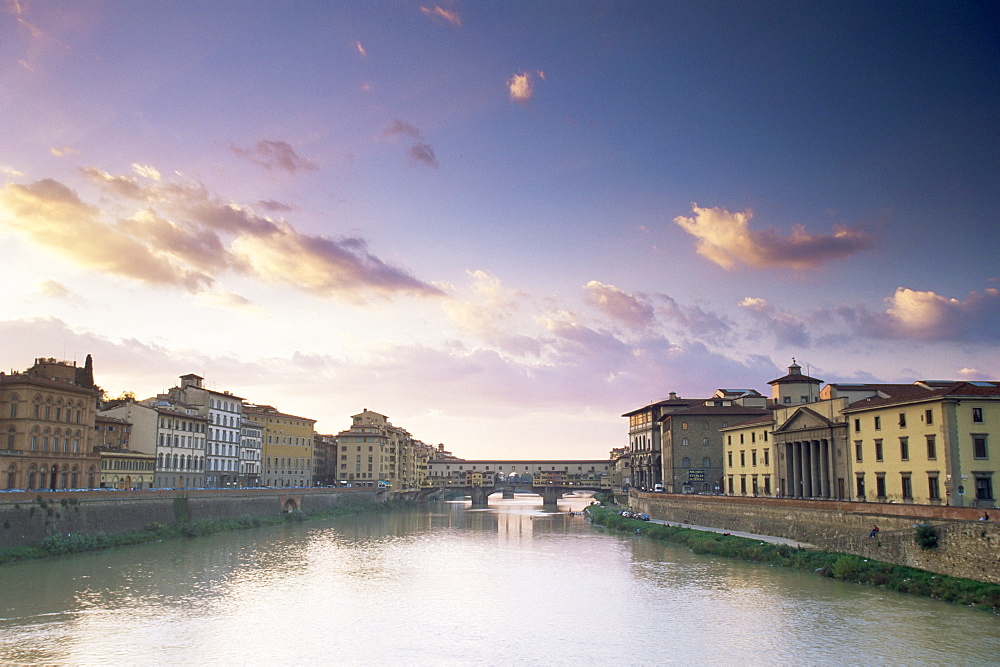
pixel 695 321
pixel 179 235
pixel 275 155
pixel 10 171
pixel 424 154
pixel 146 171
pixel 324 266
pixel 55 290
pixel 51 215
pixel 399 127
pixel 360 49
pixel 928 316
pixel 438 12
pixel 519 87
pixel 726 239
pixel 618 305
pixel 60 151
pixel 419 151
pixel 494 314
pixel 787 329
pixel 275 206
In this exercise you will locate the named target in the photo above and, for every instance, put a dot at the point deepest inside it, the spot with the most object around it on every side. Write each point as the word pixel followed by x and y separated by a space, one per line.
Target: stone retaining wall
pixel 967 547
pixel 27 518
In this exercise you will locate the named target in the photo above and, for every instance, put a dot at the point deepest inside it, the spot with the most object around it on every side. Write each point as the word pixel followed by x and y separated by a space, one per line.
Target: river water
pixel 448 585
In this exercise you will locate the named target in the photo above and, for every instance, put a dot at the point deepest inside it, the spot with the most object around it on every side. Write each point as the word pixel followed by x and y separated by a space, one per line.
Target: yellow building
pixel 749 462
pixel 370 451
pixel 934 445
pixel 287 444
pixel 124 469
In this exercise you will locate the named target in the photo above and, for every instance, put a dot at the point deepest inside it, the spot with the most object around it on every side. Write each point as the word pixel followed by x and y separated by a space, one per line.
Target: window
pixel 878 423
pixel 684 442
pixel 787 399
pixel 931 448
pixel 907 486
pixel 979 447
pixel 984 486
pixel 904 449
pixel 977 415
pixel 878 449
pixel 706 462
pixel 902 420
pixel 753 457
pixel 880 484
pixel 743 485
pixel 860 486
pixel 729 456
pixel 743 459
pixel 767 457
pixel 729 440
pixel 933 490
pixel 929 416
pixel 857 451
pixel 686 462
pixel 857 425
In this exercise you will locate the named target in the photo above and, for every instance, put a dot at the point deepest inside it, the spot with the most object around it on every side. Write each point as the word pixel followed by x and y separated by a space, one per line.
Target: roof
pixel 666 401
pixel 760 419
pixel 795 377
pixel 979 389
pixel 716 410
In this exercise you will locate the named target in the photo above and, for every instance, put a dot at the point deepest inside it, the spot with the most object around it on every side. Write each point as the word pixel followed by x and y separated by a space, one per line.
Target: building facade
pixel 936 445
pixel 286 447
pixel 47 417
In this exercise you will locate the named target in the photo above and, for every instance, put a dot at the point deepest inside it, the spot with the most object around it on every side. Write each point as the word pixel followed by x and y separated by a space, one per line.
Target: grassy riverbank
pixel 846 567
pixel 58 545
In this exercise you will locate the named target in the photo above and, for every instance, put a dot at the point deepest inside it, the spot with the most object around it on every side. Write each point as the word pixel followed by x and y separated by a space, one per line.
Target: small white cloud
pixel 360 49
pixel 519 87
pixel 146 171
pixel 438 12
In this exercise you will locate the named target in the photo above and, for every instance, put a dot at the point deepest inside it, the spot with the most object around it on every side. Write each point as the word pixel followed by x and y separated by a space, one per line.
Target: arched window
pixel 686 463
pixel 13 406
pixel 31 477
pixel 706 462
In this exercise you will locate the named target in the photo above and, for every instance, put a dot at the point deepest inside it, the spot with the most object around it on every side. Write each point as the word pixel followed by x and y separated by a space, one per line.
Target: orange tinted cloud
pixel 727 239
pixel 439 12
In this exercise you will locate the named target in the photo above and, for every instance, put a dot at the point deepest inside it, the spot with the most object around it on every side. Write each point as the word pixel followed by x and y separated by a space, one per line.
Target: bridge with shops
pixel 482 478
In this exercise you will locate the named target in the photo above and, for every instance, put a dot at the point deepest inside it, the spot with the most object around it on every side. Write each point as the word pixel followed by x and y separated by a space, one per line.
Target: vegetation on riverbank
pixel 58 545
pixel 846 567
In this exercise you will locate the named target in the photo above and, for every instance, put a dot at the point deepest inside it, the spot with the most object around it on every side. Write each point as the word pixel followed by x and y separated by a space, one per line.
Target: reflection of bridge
pixel 549 479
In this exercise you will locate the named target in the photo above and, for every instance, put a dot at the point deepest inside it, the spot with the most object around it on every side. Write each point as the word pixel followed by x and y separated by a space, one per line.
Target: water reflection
pixel 447 584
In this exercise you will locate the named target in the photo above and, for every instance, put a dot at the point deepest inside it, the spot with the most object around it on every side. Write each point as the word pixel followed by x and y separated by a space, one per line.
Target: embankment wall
pixel 28 518
pixel 967 547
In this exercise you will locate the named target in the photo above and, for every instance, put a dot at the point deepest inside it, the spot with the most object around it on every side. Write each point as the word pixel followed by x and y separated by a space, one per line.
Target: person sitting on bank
pixel 874 532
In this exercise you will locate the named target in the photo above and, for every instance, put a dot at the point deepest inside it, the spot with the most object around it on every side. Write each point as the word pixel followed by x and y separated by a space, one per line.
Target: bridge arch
pixel 291 504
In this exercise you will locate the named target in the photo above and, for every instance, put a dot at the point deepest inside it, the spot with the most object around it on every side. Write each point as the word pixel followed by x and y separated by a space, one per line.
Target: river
pixel 445 584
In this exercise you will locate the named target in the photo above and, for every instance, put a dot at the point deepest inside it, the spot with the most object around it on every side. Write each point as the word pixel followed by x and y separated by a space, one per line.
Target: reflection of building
pixel 47 419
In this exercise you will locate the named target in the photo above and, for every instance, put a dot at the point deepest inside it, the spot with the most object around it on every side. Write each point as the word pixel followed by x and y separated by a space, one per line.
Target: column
pixel 796 490
pixel 815 460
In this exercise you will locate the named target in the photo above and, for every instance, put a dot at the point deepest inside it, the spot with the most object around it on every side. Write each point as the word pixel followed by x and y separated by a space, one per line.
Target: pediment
pixel 802 419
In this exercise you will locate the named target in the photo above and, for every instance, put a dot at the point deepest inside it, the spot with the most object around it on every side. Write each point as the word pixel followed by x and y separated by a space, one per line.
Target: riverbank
pixel 845 567
pixel 60 545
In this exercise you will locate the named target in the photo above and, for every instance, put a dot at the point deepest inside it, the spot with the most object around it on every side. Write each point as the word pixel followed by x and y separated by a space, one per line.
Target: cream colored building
pixel 934 445
pixel 750 468
pixel 287 446
pixel 370 450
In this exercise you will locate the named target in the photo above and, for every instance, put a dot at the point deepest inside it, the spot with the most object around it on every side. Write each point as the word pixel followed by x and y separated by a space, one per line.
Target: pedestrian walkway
pixel 737 533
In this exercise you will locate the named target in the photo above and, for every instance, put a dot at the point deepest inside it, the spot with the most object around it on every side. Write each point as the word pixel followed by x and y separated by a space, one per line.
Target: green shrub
pixel 926 536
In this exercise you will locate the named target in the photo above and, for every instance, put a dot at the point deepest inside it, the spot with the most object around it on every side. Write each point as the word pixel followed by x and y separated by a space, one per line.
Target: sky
pixel 502 225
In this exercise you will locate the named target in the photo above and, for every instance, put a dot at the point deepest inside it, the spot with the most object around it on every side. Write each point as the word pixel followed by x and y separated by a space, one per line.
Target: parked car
pixel 641 516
